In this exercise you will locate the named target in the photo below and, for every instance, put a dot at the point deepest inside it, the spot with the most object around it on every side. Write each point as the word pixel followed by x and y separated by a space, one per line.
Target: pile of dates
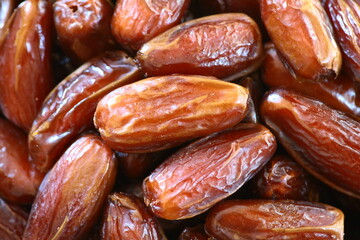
pixel 179 119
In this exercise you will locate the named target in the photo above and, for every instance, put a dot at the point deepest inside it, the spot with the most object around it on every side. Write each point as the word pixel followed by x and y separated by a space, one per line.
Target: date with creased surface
pixel 12 221
pixel 162 112
pixel 207 171
pixel 276 220
pixel 73 192
pixel 323 140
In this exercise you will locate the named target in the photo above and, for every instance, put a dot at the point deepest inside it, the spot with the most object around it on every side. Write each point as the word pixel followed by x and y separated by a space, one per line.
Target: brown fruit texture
pixel 19 179
pixel 301 32
pixel 137 21
pixel 342 93
pixel 281 219
pixel 25 72
pixel 83 27
pixel 345 17
pixel 207 171
pixel 162 112
pixel 323 140
pixel 283 178
pixel 224 46
pixel 70 107
pixel 73 192
pixel 194 233
pixel 12 221
pixel 126 217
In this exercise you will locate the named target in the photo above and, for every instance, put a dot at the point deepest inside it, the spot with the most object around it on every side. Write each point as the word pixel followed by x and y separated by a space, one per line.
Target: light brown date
pixel 73 192
pixel 69 108
pixel 12 221
pixel 225 46
pixel 302 33
pixel 281 219
pixel 162 112
pixel 25 71
pixel 126 217
pixel 207 171
pixel 137 21
pixel 19 179
pixel 323 140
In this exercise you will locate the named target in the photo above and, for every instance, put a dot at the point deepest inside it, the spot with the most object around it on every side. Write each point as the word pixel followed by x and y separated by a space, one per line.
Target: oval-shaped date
pixel 12 221
pixel 345 16
pixel 276 220
pixel 83 27
pixel 137 21
pixel 162 112
pixel 302 33
pixel 341 93
pixel 70 107
pixel 126 217
pixel 19 179
pixel 323 140
pixel 207 171
pixel 25 71
pixel 224 46
pixel 73 192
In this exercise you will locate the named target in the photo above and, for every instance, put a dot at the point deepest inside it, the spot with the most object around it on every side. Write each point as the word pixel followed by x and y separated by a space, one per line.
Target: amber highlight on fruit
pixel 224 46
pixel 73 192
pixel 137 21
pixel 162 112
pixel 342 93
pixel 345 17
pixel 196 177
pixel 323 140
pixel 25 72
pixel 70 107
pixel 83 27
pixel 281 219
pixel 126 217
pixel 19 179
pixel 6 9
pixel 302 33
pixel 12 221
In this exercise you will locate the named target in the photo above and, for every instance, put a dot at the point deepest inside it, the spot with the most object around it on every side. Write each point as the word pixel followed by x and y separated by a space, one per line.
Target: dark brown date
pixel 135 22
pixel 83 27
pixel 345 17
pixel 19 180
pixel 70 107
pixel 323 140
pixel 25 72
pixel 126 217
pixel 302 33
pixel 342 93
pixel 73 192
pixel 207 171
pixel 194 233
pixel 162 112
pixel 223 46
pixel 12 221
pixel 276 220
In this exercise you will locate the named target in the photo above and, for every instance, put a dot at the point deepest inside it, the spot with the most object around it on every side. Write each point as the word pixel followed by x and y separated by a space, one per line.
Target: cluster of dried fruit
pixel 184 119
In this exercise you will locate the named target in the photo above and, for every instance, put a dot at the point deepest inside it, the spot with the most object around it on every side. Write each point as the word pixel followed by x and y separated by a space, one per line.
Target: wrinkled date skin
pixel 323 140
pixel 12 221
pixel 83 27
pixel 207 171
pixel 25 73
pixel 281 219
pixel 70 107
pixel 73 192
pixel 126 217
pixel 19 180
pixel 302 33
pixel 137 21
pixel 345 17
pixel 223 46
pixel 342 93
pixel 194 233
pixel 162 112
pixel 282 178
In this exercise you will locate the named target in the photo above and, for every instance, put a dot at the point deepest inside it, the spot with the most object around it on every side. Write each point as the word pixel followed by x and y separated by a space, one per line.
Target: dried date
pixel 12 221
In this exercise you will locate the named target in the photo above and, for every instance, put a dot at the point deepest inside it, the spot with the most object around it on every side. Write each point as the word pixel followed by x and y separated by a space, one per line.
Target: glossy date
pixel 12 221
